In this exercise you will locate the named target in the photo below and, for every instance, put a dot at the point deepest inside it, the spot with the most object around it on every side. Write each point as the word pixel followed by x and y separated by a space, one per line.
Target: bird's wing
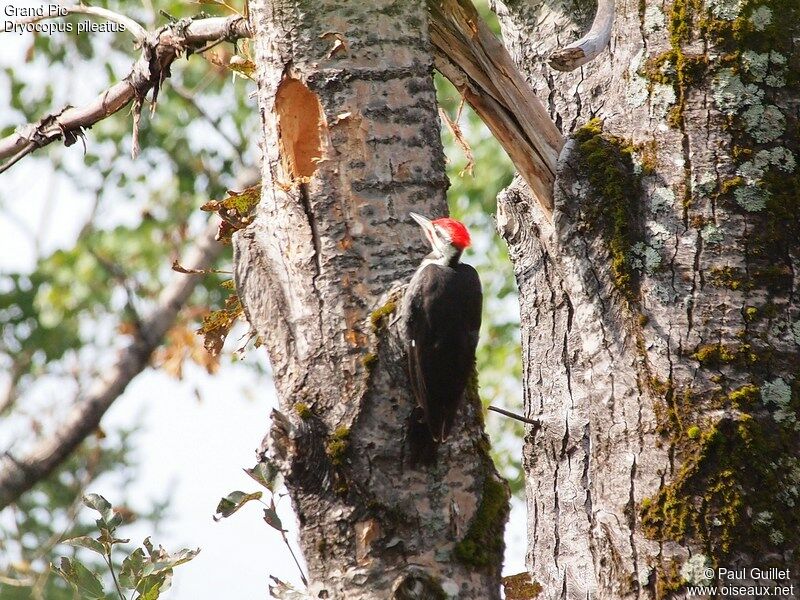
pixel 418 336
pixel 442 333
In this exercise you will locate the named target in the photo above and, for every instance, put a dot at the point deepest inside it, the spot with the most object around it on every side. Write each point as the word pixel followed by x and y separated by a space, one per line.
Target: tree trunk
pixel 659 305
pixel 351 145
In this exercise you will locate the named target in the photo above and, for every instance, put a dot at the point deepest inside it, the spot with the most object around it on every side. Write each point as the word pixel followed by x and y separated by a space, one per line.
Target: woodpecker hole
pixel 300 122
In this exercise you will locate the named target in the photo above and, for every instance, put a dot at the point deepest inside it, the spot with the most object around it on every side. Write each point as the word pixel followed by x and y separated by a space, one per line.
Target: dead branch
pixel 589 46
pixel 159 50
pixel 17 475
pixel 479 66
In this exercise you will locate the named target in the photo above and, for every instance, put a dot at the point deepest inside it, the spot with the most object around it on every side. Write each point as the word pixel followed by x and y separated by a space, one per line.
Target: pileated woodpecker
pixel 442 308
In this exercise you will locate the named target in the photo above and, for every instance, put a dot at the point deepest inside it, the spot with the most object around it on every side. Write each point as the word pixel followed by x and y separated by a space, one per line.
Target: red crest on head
pixel 459 235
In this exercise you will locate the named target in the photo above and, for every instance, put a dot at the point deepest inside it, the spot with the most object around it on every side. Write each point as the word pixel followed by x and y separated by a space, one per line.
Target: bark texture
pixel 659 311
pixel 351 145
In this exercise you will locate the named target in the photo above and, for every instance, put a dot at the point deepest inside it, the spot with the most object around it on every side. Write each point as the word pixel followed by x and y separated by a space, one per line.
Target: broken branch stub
pixel 590 45
pixel 468 54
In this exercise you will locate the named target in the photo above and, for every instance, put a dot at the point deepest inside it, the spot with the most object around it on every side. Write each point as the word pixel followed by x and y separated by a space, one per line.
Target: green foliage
pixel 233 502
pixel 144 212
pixel 217 324
pixel 268 476
pixel 31 541
pixel 147 575
pixel 86 584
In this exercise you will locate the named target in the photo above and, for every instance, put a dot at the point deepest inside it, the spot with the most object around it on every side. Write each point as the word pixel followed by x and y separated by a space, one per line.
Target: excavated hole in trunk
pixel 300 122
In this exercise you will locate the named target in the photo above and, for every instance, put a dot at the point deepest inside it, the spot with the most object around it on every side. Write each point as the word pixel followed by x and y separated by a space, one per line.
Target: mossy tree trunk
pixel 351 145
pixel 660 317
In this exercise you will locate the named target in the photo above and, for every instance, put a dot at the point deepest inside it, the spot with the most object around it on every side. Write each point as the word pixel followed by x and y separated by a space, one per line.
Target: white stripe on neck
pixel 440 260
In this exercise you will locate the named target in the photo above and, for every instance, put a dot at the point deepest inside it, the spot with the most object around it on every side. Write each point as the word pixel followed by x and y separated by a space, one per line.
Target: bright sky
pixel 195 448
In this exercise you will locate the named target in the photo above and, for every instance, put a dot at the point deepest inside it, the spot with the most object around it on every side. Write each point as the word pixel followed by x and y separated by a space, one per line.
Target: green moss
pixel 668 580
pixel 727 277
pixel 744 397
pixel 716 355
pixel 606 162
pixel 738 485
pixel 722 479
pixel 774 278
pixel 674 67
pixel 483 543
pixel 731 183
pixel 521 587
pixel 774 232
pixel 303 410
pixel 369 360
pixel 380 316
pixel 337 445
pixel 418 583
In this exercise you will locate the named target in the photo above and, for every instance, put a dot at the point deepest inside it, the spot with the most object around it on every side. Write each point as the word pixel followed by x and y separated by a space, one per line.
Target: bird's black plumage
pixel 443 309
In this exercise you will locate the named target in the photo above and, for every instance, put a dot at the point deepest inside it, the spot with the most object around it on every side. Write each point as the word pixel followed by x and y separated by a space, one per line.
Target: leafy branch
pixel 147 575
pixel 268 477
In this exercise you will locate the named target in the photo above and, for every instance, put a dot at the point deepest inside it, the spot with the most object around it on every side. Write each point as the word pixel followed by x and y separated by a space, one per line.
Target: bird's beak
pixel 426 224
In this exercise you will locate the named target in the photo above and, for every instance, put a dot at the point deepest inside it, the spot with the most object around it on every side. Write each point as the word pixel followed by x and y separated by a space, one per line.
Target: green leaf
pixel 109 518
pixel 84 541
pixel 233 502
pixel 266 474
pixel 150 588
pixel 166 561
pixel 272 518
pixel 242 202
pixel 132 569
pixel 97 502
pixel 217 324
pixel 82 579
pixel 150 550
pixel 246 68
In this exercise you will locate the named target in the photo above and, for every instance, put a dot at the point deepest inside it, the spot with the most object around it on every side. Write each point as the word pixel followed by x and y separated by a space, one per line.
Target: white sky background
pixel 196 449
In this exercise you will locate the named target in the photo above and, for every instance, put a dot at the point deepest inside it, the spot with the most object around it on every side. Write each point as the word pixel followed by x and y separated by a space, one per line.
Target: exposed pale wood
pixel 466 53
pixel 590 46
pixel 479 66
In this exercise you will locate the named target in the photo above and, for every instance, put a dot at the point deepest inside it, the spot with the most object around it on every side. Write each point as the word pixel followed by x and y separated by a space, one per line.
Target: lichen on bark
pixel 709 88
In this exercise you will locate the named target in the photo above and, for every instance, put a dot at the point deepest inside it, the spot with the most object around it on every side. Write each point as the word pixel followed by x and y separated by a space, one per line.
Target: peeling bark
pixel 351 145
